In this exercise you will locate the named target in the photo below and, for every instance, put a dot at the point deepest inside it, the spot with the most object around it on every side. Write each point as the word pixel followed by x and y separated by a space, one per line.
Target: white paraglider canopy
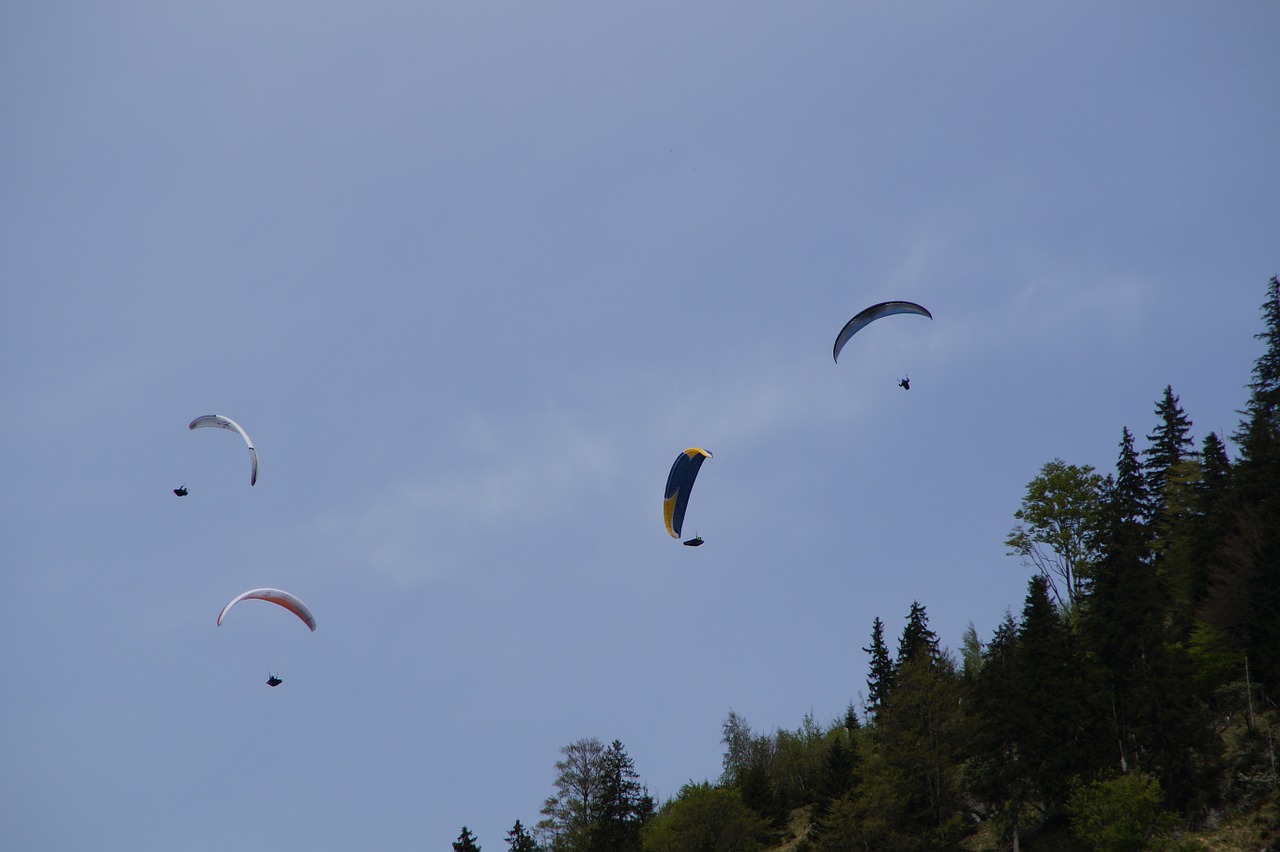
pixel 230 425
pixel 275 596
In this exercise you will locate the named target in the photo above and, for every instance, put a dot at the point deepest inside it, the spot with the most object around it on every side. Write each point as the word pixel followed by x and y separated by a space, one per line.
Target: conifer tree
pixel 519 840
pixel 1254 541
pixel 1170 444
pixel 625 804
pixel 1259 433
pixel 917 742
pixel 997 729
pixel 917 640
pixel 1158 724
pixel 466 842
pixel 880 676
pixel 1065 737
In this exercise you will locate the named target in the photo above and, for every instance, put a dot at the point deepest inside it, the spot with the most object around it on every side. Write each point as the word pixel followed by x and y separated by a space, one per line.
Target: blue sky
pixel 471 275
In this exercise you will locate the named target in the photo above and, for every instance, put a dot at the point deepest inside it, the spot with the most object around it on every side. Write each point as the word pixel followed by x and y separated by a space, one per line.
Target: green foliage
pixel 599 802
pixel 1121 814
pixel 572 812
pixel 1152 586
pixel 1057 527
pixel 880 675
pixel 917 742
pixel 466 842
pixel 625 805
pixel 703 818
pixel 519 840
pixel 918 641
pixel 1169 445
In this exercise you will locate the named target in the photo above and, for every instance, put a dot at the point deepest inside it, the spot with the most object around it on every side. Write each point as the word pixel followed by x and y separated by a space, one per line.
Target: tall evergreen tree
pixel 1216 647
pixel 1253 544
pixel 466 842
pixel 1158 724
pixel 625 804
pixel 997 726
pixel 1258 435
pixel 1065 737
pixel 880 675
pixel 1170 444
pixel 520 840
pixel 918 641
pixel 839 768
pixel 917 747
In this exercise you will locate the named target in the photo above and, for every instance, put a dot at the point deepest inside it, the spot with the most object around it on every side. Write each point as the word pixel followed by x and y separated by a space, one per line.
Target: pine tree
pixel 1259 433
pixel 997 728
pixel 1170 443
pixel 1065 737
pixel 918 641
pixel 466 842
pixel 880 676
pixel 1158 725
pixel 1252 547
pixel 519 840
pixel 625 804
pixel 917 746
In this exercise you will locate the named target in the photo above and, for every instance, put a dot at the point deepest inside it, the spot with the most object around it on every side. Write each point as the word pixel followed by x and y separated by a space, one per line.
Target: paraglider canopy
pixel 221 422
pixel 278 597
pixel 679 483
pixel 865 317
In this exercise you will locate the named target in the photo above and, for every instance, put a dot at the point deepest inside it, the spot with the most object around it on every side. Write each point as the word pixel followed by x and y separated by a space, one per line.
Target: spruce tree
pixel 1170 443
pixel 918 640
pixel 880 676
pixel 1158 725
pixel 997 728
pixel 520 840
pixel 1259 433
pixel 1065 737
pixel 466 842
pixel 918 746
pixel 1254 542
pixel 625 804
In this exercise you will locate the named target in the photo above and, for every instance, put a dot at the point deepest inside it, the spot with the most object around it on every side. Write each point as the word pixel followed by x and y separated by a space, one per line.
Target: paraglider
pixel 696 541
pixel 278 597
pixel 275 596
pixel 864 318
pixel 679 483
pixel 905 383
pixel 181 490
pixel 230 425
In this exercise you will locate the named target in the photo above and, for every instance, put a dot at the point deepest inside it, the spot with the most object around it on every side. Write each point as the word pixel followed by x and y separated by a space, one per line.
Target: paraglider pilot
pixel 181 491
pixel 905 384
pixel 274 681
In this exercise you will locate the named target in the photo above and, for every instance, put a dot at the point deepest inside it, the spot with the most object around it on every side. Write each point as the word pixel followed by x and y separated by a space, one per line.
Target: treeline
pixel 1129 700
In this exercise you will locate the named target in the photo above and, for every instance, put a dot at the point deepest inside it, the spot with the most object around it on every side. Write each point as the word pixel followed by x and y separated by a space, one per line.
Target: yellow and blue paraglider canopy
pixel 679 483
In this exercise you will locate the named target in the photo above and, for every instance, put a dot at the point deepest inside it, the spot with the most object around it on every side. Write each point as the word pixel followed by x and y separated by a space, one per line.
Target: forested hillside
pixel 1128 702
